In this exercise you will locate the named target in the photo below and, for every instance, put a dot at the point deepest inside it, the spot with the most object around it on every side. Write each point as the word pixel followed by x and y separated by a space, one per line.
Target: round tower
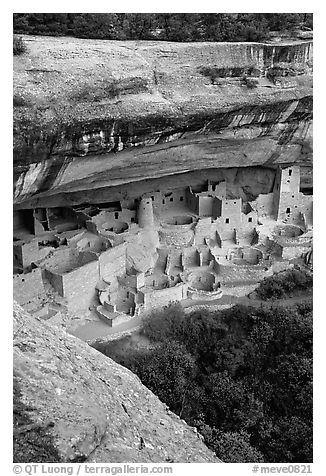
pixel 145 213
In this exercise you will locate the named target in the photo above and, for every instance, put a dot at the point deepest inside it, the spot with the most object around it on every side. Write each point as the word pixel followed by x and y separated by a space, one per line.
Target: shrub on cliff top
pixel 19 46
pixel 251 83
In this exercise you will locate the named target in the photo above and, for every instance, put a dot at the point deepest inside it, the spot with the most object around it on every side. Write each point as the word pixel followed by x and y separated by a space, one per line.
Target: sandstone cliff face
pixel 93 114
pixel 74 404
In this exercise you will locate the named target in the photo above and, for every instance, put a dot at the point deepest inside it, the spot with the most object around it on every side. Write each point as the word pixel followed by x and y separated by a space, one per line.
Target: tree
pixel 169 371
pixel 231 447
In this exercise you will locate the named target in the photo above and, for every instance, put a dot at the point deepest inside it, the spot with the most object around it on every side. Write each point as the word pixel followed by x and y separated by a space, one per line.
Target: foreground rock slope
pixel 74 404
pixel 94 115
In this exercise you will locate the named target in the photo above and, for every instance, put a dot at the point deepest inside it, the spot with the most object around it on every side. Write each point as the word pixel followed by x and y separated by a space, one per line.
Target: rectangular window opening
pixel 290 172
pixel 227 220
pixel 250 219
pixel 288 210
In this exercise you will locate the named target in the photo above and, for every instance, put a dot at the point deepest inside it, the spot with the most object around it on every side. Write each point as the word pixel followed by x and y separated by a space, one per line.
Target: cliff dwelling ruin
pixel 116 260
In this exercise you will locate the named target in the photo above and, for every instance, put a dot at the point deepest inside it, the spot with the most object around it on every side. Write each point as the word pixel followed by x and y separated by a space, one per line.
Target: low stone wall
pixel 199 294
pixel 162 297
pixel 113 321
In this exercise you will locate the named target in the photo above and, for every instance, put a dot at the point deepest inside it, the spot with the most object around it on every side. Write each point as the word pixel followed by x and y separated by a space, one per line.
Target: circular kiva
pixel 116 227
pixel 203 280
pixel 179 220
pixel 288 231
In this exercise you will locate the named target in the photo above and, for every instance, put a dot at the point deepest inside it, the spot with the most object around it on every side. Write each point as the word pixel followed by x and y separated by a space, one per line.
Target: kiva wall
pixel 162 297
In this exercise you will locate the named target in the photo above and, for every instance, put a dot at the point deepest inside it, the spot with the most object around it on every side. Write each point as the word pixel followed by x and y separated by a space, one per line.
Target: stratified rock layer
pixel 74 404
pixel 97 115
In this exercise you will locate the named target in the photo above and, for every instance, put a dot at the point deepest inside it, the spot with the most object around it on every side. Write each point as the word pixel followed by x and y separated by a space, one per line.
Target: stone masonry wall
pixel 56 281
pixel 79 286
pixel 162 297
pixel 30 253
pixel 264 204
pixel 28 286
pixel 112 262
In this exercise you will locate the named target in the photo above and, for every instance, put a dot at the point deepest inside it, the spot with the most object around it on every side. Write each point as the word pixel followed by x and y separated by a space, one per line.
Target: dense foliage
pixel 162 26
pixel 284 284
pixel 242 376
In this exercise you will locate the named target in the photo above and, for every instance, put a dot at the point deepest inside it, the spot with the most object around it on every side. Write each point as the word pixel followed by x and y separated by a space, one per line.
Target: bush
pixel 242 376
pixel 160 26
pixel 231 447
pixel 103 90
pixel 251 83
pixel 19 46
pixel 284 283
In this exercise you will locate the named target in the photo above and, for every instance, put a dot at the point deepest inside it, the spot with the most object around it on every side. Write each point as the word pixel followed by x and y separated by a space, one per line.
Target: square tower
pixel 231 211
pixel 287 193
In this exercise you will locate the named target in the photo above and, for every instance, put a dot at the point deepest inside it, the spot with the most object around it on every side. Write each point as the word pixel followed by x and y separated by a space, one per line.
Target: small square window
pixel 227 220
pixel 250 219
pixel 171 199
pixel 181 199
pixel 234 203
pixel 288 210
pixel 292 196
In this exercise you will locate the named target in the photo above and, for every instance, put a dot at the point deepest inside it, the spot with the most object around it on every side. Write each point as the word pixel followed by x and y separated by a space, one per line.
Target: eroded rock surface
pixel 94 115
pixel 74 404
